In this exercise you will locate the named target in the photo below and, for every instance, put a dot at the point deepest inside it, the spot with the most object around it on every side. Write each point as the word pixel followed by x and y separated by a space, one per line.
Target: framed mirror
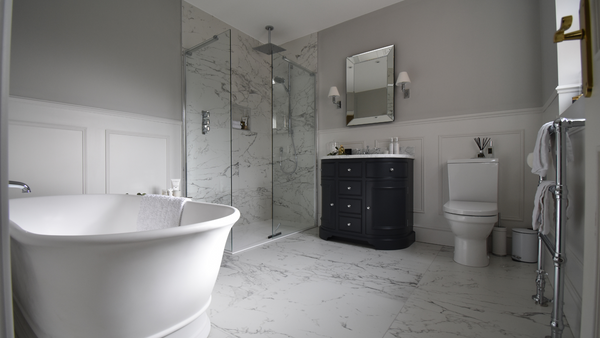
pixel 370 87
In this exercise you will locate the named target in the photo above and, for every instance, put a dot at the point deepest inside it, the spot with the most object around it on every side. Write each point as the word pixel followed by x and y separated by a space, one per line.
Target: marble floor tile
pixel 302 286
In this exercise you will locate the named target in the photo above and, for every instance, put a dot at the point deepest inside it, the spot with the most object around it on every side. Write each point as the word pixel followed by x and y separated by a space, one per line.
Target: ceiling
pixel 292 19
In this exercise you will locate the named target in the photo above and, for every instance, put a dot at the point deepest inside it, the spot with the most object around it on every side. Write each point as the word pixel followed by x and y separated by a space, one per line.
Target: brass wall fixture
pixel 584 34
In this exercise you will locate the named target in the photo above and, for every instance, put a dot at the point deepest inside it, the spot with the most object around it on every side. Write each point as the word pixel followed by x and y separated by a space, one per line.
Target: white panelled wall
pixel 61 149
pixel 436 141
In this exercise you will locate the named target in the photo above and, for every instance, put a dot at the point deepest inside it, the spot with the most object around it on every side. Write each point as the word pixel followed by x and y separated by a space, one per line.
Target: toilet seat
pixel 470 208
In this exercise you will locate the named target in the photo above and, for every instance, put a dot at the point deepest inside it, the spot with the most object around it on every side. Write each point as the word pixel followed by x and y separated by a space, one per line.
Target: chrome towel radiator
pixel 559 129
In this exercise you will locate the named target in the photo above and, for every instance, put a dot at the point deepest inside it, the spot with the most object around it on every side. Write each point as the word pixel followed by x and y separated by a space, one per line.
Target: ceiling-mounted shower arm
pixel 269 29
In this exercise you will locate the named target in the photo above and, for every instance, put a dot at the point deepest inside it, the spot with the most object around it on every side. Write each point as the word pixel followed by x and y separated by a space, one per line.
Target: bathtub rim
pixel 32 238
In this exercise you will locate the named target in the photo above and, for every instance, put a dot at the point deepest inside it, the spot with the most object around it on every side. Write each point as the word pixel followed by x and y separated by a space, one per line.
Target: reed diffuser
pixel 482 144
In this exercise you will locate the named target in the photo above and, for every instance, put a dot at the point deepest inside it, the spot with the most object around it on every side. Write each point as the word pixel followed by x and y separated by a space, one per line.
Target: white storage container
pixel 524 245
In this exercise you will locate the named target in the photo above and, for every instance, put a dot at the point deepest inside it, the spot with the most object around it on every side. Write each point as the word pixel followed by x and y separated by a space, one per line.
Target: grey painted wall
pixel 112 54
pixel 463 56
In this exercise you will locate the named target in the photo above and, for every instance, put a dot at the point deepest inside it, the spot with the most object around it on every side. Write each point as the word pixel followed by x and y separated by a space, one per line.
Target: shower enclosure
pixel 250 138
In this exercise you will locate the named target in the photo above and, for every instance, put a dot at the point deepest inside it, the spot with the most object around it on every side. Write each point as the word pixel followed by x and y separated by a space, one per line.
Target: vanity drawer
pixel 353 188
pixel 349 169
pixel 327 169
pixel 350 224
pixel 387 169
pixel 350 206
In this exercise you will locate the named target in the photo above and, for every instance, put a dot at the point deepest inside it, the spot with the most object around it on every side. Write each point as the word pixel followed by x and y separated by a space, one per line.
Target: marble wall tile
pixel 258 187
pixel 208 88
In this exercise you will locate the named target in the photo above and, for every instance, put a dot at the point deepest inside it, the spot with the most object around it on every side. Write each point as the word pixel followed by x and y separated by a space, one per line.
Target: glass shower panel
pixel 208 121
pixel 294 151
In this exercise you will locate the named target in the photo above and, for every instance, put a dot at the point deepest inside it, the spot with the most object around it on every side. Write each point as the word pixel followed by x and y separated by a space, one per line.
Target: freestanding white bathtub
pixel 80 269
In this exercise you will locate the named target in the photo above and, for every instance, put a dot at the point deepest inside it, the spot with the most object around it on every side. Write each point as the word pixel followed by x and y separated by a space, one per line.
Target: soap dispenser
pixel 391 147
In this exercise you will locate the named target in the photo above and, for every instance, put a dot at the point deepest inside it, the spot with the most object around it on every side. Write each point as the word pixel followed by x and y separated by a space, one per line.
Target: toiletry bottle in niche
pixel 490 150
pixel 396 146
pixel 391 147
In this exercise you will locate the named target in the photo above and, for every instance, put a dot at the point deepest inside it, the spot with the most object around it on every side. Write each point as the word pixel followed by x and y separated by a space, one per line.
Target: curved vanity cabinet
pixel 368 198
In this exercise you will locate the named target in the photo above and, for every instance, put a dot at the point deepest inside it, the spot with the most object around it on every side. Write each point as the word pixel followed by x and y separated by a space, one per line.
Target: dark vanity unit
pixel 368 198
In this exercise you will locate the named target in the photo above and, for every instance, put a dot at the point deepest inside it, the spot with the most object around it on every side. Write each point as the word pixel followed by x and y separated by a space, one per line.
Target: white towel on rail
pixel 543 149
pixel 543 208
pixel 159 212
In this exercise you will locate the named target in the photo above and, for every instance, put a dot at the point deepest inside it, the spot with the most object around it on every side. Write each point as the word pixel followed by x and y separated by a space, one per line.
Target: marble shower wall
pixel 250 96
pixel 252 168
pixel 208 84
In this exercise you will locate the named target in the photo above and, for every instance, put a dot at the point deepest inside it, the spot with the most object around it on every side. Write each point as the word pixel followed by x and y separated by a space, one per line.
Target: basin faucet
pixel 20 185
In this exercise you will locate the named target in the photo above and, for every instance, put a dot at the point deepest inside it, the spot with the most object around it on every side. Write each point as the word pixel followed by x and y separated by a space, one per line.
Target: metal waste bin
pixel 524 245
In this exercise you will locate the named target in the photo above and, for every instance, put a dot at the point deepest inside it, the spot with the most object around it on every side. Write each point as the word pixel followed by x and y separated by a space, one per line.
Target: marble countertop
pixel 342 157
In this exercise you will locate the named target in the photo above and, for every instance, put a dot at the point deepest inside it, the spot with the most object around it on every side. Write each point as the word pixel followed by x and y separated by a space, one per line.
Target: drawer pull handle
pixel 368 208
pixel 331 204
pixel 349 224
pixel 349 169
pixel 349 206
pixel 349 188
pixel 391 169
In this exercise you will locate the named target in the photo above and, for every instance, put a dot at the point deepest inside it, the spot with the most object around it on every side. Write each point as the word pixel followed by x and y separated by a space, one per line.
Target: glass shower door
pixel 294 151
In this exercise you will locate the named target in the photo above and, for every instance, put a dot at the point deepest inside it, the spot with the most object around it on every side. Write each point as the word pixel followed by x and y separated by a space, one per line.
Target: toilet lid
pixel 469 208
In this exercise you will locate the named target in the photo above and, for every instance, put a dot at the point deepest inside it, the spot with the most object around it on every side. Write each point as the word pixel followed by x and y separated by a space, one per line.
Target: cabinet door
pixel 386 208
pixel 328 206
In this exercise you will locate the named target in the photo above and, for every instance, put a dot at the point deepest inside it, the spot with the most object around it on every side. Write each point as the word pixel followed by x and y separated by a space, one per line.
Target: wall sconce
pixel 333 93
pixel 404 81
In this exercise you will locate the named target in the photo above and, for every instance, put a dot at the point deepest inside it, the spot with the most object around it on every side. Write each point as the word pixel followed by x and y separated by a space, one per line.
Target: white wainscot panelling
pixel 49 158
pixel 511 157
pixel 136 163
pixel 64 149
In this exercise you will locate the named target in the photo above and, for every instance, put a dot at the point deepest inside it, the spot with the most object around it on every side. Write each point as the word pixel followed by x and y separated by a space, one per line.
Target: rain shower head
pixel 269 48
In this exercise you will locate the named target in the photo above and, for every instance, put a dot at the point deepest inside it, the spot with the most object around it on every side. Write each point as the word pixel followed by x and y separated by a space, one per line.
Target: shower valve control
pixel 205 121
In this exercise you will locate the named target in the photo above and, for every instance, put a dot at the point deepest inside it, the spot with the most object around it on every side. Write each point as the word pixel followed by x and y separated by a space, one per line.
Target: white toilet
pixel 472 209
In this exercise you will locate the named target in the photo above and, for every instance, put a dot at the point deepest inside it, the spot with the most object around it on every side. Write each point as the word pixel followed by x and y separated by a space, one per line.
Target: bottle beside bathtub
pixel 175 190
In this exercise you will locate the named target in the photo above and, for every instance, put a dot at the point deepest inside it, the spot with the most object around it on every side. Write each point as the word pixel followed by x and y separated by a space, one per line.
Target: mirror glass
pixel 370 87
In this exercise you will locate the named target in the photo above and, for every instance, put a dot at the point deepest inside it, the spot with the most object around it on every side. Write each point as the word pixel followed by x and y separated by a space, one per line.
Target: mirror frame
pixel 351 81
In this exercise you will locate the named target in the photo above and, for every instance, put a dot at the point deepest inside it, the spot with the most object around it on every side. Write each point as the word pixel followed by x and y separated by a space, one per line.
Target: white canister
pixel 524 245
pixel 499 241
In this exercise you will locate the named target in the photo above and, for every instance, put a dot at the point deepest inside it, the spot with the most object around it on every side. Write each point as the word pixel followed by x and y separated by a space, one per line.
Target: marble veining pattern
pixel 259 187
pixel 302 286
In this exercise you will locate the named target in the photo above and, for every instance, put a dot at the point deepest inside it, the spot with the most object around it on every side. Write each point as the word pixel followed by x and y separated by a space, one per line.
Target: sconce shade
pixel 402 78
pixel 333 92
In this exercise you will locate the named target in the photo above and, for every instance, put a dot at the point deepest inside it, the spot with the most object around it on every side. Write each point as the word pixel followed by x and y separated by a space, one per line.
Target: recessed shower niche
pixel 258 153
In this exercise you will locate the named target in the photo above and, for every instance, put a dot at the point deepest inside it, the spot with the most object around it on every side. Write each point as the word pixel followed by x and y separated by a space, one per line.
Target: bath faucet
pixel 20 185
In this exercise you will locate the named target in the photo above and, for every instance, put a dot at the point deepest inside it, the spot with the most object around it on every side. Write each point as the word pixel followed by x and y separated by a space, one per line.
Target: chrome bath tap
pixel 20 185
